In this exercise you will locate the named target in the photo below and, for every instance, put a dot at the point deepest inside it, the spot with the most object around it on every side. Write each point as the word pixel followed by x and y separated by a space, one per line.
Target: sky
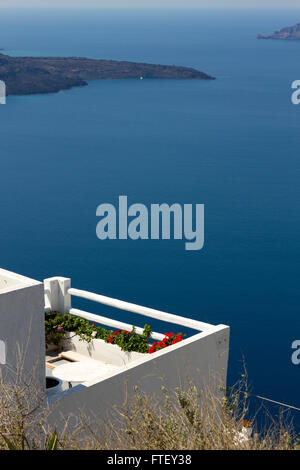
pixel 222 4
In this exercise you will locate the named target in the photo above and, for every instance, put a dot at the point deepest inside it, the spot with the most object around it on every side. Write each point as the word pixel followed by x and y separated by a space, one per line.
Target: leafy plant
pixel 130 340
pixel 50 444
pixel 57 325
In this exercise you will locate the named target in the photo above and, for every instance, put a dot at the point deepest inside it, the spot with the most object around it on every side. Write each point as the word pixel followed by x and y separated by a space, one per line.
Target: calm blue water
pixel 232 144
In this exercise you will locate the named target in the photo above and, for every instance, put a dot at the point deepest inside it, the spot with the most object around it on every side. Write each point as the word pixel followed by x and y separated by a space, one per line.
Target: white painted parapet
pixel 22 330
pixel 139 309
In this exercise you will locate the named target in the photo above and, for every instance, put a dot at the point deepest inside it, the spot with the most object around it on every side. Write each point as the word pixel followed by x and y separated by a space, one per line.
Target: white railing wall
pixel 58 293
pixel 112 323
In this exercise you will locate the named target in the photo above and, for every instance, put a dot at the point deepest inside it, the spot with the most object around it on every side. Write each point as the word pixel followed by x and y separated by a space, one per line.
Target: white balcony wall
pixel 22 328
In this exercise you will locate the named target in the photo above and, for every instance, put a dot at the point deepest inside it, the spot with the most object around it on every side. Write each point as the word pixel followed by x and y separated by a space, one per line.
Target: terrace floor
pixel 54 360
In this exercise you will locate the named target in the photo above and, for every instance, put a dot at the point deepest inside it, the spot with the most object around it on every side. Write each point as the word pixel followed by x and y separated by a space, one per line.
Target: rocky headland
pixel 33 75
pixel 288 33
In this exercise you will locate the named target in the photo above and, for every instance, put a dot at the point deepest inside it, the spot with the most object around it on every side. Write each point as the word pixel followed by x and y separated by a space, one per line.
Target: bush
pixel 57 325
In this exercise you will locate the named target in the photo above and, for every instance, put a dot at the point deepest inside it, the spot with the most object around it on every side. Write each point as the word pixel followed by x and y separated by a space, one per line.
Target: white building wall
pixel 22 328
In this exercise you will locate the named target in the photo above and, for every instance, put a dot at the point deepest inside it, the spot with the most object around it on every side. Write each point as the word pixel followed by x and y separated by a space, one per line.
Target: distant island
pixel 288 33
pixel 34 75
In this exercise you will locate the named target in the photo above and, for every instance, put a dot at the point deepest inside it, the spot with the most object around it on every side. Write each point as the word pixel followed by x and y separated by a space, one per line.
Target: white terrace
pixel 103 373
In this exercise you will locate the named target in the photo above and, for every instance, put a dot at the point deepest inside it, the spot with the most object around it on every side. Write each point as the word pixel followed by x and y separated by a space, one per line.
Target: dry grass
pixel 197 420
pixel 190 420
pixel 25 422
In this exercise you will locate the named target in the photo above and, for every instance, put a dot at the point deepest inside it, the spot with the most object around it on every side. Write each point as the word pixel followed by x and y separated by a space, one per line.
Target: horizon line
pixel 166 8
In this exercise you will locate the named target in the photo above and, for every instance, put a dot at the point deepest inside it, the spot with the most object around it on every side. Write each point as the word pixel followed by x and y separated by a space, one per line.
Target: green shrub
pixel 57 325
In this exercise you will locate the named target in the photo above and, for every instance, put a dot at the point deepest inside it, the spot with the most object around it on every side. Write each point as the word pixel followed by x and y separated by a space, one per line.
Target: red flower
pixel 110 339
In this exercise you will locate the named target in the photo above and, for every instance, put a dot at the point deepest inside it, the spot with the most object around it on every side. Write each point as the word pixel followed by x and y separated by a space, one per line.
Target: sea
pixel 232 144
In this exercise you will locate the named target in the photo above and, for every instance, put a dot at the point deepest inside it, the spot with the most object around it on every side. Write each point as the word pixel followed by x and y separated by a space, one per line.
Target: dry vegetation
pixel 179 422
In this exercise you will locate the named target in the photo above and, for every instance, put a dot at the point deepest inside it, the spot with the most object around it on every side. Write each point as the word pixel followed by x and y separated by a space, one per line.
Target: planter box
pixel 99 350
